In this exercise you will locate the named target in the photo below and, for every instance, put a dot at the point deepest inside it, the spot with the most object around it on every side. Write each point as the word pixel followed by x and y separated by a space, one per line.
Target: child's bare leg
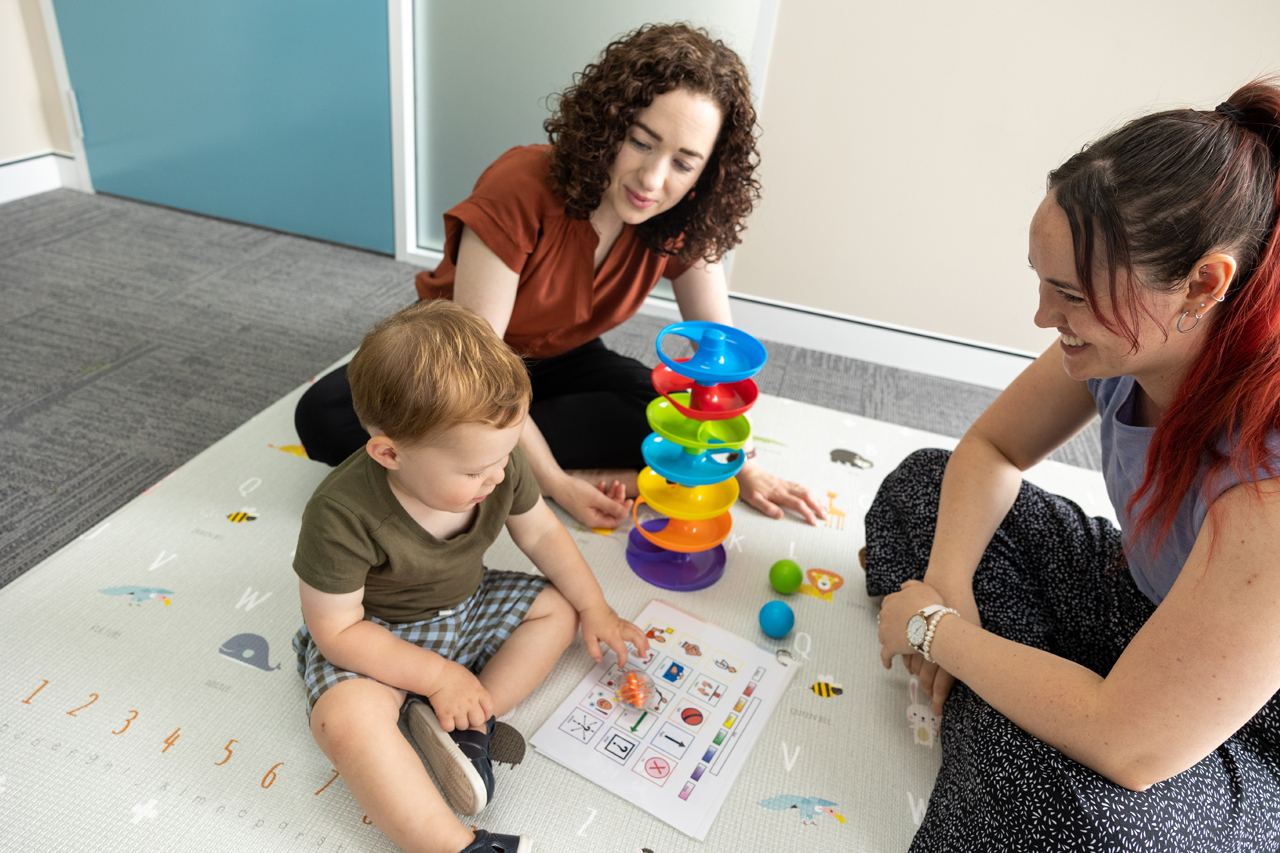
pixel 532 649
pixel 595 476
pixel 356 725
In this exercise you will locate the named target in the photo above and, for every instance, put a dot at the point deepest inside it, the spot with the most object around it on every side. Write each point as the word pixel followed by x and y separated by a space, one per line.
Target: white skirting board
pixel 867 340
pixel 38 174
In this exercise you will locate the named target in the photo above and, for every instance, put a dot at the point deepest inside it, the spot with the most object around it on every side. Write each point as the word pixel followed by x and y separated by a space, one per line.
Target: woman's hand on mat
pixel 895 611
pixel 771 494
pixel 602 505
pixel 459 699
pixel 600 624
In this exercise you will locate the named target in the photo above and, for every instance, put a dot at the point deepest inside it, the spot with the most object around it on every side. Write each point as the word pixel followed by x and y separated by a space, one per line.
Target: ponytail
pixel 1159 194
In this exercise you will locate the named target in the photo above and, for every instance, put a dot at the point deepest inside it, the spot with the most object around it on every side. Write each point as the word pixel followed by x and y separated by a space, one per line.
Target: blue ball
pixel 777 619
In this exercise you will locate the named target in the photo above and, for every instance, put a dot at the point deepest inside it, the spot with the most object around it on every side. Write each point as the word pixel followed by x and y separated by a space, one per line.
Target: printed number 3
pixel 133 715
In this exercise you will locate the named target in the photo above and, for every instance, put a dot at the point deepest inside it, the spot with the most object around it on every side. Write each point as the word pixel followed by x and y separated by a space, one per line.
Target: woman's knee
pixel 325 420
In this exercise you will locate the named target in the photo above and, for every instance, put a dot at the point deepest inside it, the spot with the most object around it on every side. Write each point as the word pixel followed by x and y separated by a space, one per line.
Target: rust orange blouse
pixel 561 302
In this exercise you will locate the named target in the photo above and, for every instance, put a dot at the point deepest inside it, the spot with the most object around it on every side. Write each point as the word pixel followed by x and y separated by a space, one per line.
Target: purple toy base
pixel 672 570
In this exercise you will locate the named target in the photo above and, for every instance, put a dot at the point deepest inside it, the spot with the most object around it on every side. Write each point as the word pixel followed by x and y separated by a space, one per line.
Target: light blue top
pixel 1124 464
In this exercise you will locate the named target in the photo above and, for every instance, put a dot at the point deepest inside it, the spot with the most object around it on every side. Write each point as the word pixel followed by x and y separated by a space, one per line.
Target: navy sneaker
pixel 487 842
pixel 460 759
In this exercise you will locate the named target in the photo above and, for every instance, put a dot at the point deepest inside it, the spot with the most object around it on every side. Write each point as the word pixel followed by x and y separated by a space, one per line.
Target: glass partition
pixel 483 71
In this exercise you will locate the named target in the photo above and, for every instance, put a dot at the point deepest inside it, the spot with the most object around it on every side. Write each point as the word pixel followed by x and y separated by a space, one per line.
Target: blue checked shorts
pixel 469 634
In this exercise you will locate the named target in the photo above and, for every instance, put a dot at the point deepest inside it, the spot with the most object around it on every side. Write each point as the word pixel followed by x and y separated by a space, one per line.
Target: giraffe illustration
pixel 835 517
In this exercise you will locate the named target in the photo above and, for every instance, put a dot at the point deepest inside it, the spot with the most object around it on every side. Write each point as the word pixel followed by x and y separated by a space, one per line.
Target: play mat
pixel 149 699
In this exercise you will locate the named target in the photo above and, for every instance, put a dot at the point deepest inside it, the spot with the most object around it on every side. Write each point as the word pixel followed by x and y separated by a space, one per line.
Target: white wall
pixel 905 145
pixel 32 114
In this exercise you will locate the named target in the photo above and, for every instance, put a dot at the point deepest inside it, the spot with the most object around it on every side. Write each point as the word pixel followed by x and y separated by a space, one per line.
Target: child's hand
pixel 459 699
pixel 600 623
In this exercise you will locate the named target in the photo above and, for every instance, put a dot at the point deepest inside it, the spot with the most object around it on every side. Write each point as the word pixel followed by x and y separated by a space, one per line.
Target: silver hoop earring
pixel 1193 325
pixel 1218 299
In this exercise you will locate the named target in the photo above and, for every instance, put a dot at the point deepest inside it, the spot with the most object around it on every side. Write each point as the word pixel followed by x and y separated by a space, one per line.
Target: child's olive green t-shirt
pixel 356 534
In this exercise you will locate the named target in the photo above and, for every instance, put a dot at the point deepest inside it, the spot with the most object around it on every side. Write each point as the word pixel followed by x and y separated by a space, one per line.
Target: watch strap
pixel 938 611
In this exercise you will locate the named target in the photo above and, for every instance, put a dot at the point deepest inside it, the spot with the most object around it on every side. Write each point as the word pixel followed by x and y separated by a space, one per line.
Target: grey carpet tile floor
pixel 133 336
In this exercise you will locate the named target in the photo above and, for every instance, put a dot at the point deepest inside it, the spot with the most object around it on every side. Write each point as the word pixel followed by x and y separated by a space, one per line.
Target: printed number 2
pixel 228 758
pixel 72 712
pixel 171 739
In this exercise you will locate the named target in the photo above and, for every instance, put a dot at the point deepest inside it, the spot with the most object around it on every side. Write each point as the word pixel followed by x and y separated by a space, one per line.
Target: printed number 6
pixel 270 779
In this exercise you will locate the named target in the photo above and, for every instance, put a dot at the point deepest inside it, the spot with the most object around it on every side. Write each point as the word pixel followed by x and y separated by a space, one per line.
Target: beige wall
pixel 31 119
pixel 905 145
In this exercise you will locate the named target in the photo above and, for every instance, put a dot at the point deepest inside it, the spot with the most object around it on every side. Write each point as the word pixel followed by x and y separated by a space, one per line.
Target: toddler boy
pixel 396 601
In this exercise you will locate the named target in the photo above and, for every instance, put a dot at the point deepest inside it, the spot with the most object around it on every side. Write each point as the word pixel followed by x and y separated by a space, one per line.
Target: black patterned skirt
pixel 1056 579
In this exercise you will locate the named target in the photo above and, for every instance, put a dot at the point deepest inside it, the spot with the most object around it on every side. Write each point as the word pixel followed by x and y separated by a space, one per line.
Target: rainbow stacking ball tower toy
pixel 695 449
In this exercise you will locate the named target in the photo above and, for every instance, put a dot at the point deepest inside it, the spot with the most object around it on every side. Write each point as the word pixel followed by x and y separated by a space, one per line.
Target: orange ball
pixel 635 690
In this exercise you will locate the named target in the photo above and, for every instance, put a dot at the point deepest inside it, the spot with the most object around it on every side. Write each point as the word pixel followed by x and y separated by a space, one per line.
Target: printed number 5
pixel 228 758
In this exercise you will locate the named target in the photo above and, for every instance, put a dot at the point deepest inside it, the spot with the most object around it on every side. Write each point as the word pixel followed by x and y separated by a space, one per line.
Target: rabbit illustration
pixel 920 716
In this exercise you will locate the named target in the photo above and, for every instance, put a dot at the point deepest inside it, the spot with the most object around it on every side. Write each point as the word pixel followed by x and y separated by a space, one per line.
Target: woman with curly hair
pixel 650 173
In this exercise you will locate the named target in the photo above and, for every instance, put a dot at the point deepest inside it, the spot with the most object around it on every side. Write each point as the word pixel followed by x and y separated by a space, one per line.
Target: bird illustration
pixel 141 594
pixel 810 808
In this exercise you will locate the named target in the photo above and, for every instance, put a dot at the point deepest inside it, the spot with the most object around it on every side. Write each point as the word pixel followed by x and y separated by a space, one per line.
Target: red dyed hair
pixel 1148 201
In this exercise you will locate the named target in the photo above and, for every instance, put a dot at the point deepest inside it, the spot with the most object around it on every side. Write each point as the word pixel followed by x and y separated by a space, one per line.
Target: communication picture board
pixel 678 755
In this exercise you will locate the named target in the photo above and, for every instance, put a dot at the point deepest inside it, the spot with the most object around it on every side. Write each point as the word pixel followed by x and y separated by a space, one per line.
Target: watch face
pixel 916 628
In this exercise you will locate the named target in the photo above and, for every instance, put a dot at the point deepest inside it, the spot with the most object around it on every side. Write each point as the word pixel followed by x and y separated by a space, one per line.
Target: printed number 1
pixel 27 701
pixel 171 739
pixel 228 758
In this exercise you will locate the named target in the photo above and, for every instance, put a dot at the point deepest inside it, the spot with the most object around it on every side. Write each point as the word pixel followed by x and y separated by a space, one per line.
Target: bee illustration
pixel 237 517
pixel 826 689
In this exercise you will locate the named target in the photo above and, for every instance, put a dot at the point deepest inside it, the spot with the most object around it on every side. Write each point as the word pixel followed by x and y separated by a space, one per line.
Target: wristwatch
pixel 921 625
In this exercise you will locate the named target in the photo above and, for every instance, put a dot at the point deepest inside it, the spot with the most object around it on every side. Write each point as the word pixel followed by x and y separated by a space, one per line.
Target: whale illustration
pixel 249 649
pixel 140 594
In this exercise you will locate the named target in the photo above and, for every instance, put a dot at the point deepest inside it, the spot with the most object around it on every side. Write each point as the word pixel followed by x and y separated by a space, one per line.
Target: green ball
pixel 786 576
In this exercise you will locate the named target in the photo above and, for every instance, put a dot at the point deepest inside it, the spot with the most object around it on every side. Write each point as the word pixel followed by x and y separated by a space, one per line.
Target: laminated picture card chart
pixel 678 754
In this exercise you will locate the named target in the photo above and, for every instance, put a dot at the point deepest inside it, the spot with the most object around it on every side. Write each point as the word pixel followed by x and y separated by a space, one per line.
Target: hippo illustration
pixel 848 457
pixel 140 594
pixel 249 649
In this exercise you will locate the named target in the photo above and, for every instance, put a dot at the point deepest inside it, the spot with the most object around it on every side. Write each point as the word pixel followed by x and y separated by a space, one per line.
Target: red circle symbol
pixel 692 716
pixel 656 767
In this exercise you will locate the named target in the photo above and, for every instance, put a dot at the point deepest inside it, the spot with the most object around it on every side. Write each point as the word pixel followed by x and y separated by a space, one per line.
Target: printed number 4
pixel 171 739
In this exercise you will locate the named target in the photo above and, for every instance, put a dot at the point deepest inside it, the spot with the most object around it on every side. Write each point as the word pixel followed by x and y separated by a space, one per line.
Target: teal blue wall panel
pixel 273 112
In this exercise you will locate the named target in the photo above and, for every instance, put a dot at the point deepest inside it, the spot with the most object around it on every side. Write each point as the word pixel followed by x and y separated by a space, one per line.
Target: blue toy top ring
pixel 725 354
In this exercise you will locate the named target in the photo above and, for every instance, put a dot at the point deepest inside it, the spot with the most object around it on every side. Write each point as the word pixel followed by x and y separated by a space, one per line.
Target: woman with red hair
pixel 650 173
pixel 1102 688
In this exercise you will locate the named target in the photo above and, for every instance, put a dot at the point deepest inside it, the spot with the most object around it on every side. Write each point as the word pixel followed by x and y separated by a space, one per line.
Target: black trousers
pixel 589 404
